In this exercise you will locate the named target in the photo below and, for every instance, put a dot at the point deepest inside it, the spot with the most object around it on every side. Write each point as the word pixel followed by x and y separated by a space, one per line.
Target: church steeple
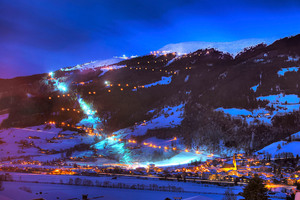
pixel 234 162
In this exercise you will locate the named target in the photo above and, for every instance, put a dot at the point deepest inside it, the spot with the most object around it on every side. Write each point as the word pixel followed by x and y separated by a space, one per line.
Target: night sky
pixel 38 36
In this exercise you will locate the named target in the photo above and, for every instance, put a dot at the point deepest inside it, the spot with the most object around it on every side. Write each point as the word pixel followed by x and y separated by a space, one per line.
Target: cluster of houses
pixel 238 169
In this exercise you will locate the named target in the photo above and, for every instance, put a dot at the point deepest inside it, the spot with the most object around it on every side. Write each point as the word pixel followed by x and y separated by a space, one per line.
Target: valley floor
pixel 56 191
pixel 33 186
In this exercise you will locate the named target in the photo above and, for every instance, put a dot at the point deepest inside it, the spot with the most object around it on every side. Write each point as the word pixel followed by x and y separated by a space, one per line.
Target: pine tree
pixel 278 147
pixel 255 189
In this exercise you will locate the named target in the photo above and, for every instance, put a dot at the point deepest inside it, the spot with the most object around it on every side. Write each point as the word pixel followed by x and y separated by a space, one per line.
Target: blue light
pixel 62 87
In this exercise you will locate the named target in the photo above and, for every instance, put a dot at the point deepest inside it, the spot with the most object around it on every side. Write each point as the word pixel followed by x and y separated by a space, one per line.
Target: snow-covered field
pixel 55 191
pixel 285 70
pixel 164 81
pixel 40 144
pixel 48 139
pixel 167 117
pixel 290 147
pixel 284 146
pixel 68 191
pixel 281 103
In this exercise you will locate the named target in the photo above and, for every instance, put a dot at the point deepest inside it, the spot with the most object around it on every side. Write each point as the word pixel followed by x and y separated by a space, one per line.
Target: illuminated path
pixel 93 121
pixel 114 146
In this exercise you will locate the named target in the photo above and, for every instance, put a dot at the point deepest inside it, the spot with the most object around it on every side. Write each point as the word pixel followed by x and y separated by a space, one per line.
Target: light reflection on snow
pixel 93 121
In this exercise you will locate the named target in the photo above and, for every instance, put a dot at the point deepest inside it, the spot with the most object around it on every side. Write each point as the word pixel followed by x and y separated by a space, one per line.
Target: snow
pixel 3 117
pixel 280 99
pixel 258 60
pixel 295 135
pixel 110 68
pixel 291 147
pixel 281 103
pixel 254 88
pixel 170 61
pixel 293 59
pixel 235 111
pixel 260 114
pixel 12 135
pixel 164 81
pixel 167 117
pixel 285 70
pixel 94 64
pixel 53 190
pixel 198 198
pixel 179 159
pixel 228 47
pixel 186 78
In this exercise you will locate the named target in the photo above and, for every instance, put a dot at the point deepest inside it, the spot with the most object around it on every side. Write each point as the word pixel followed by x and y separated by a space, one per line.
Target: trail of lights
pixel 60 86
pixel 93 121
pixel 114 146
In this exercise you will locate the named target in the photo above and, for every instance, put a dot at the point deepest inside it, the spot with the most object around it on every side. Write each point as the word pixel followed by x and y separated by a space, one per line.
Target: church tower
pixel 234 162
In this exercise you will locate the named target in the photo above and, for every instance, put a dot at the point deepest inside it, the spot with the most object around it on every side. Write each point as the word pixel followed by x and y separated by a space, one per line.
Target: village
pixel 236 170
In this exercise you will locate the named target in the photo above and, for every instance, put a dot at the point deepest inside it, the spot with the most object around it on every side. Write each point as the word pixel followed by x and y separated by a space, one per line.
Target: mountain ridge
pixel 206 82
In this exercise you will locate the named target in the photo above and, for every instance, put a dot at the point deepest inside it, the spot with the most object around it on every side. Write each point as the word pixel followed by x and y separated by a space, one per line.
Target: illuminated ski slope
pixel 92 120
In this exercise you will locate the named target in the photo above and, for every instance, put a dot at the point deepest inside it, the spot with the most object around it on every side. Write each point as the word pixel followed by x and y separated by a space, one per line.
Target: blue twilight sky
pixel 38 36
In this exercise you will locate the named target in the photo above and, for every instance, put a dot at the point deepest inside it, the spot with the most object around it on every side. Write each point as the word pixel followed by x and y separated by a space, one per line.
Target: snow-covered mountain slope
pixel 94 64
pixel 282 147
pixel 153 98
pixel 227 47
pixel 282 104
pixel 38 143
